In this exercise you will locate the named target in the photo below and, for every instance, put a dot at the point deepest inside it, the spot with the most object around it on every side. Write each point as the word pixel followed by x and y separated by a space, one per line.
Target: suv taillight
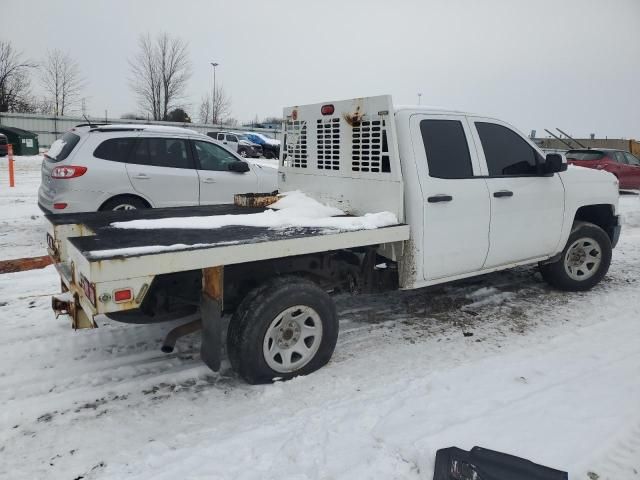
pixel 68 171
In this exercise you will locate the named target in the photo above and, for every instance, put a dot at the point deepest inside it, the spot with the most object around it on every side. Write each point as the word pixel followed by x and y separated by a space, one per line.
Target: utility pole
pixel 419 97
pixel 214 114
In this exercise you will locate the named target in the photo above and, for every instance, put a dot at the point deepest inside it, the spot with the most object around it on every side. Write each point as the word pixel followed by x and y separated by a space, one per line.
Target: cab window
pixel 445 144
pixel 506 152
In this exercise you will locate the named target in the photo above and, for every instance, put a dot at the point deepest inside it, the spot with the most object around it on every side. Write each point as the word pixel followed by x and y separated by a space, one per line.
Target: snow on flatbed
pixel 547 375
pixel 188 238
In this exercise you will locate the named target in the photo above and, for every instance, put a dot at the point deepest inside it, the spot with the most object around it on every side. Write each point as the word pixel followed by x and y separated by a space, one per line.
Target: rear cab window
pixel 62 147
pixel 445 144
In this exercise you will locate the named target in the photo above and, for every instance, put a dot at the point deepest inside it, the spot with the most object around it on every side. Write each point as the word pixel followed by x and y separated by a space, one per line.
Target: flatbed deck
pixel 98 252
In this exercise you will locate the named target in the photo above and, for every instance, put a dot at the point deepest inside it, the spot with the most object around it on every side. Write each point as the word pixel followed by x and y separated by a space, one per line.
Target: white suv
pixel 121 167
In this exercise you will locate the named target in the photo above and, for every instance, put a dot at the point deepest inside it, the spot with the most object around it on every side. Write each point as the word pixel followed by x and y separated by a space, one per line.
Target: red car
pixel 623 165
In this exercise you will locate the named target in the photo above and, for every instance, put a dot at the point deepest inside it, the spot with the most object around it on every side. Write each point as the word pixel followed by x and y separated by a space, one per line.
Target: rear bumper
pixel 76 200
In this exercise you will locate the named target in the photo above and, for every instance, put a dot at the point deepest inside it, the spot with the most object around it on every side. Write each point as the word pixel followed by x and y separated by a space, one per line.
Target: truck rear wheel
pixel 284 328
pixel 584 261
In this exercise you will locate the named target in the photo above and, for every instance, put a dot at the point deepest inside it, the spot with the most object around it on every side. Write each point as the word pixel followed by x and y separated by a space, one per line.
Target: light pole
pixel 214 120
pixel 419 98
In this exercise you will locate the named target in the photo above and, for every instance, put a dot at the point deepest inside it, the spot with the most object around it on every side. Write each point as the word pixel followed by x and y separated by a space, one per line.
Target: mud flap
pixel 482 464
pixel 211 345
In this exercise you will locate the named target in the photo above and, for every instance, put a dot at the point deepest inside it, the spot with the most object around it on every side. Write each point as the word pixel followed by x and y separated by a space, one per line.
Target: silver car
pixel 122 167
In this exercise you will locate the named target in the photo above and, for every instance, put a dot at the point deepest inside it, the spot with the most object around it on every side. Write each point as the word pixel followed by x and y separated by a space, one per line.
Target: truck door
pixel 527 208
pixel 231 141
pixel 455 199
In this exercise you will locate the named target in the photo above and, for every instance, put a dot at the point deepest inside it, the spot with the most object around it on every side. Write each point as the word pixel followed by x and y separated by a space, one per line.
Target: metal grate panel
pixel 296 131
pixel 370 152
pixel 328 144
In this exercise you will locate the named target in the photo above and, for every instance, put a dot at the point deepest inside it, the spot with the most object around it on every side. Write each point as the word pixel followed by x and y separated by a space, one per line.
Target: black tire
pixel 557 273
pixel 243 153
pixel 268 154
pixel 121 202
pixel 255 315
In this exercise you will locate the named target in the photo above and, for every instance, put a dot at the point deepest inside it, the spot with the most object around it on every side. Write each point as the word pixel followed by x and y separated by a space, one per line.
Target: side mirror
pixel 553 163
pixel 238 167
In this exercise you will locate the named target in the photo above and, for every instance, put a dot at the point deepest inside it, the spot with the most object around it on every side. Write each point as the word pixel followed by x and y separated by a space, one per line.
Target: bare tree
pixel 60 77
pixel 230 122
pixel 15 85
pixel 204 113
pixel 159 74
pixel 220 105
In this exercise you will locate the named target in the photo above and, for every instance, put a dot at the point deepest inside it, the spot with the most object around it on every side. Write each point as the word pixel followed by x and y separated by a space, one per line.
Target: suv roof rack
pixel 91 124
pixel 116 129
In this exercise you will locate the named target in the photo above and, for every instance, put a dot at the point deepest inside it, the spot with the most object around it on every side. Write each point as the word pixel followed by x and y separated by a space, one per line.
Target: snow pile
pixel 56 148
pixel 294 209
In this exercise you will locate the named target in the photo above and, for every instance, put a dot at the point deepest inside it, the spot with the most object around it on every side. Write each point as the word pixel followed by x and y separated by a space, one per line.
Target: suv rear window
pixel 584 155
pixel 62 147
pixel 115 149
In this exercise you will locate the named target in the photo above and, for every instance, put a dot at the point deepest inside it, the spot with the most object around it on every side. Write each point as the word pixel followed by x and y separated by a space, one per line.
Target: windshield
pixel 62 147
pixel 584 155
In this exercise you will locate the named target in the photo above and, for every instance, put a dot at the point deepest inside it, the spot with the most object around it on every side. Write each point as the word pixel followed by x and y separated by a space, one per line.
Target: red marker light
pixel 59 206
pixel 122 295
pixel 327 110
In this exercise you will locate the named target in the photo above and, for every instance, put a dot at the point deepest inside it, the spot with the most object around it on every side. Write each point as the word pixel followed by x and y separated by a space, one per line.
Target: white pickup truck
pixel 471 195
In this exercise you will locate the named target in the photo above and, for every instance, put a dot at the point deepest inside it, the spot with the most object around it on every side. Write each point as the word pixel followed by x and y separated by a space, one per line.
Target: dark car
pixel 625 166
pixel 3 144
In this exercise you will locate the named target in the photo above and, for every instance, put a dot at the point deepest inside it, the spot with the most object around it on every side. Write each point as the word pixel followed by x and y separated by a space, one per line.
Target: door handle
pixel 439 198
pixel 208 180
pixel 141 176
pixel 503 193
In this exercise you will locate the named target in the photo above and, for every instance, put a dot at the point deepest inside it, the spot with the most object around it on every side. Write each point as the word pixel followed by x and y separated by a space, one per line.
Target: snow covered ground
pixel 500 361
pixel 21 221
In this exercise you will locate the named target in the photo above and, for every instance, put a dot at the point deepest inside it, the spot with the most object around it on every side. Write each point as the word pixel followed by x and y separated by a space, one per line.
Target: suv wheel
pixel 243 153
pixel 124 202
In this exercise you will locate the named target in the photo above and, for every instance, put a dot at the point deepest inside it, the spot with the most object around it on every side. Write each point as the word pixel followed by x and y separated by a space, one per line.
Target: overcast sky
pixel 573 64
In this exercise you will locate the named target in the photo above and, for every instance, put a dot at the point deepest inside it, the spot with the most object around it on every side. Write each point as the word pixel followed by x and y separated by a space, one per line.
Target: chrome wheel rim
pixel 124 206
pixel 583 259
pixel 243 154
pixel 292 339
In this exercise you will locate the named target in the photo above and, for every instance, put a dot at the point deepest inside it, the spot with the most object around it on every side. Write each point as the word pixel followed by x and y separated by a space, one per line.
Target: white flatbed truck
pixel 472 195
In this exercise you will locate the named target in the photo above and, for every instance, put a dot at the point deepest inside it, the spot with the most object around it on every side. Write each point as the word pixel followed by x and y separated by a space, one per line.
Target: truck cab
pixel 478 194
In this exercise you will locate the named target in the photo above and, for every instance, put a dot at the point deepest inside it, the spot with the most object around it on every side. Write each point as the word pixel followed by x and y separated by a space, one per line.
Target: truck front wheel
pixel 584 261
pixel 284 328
